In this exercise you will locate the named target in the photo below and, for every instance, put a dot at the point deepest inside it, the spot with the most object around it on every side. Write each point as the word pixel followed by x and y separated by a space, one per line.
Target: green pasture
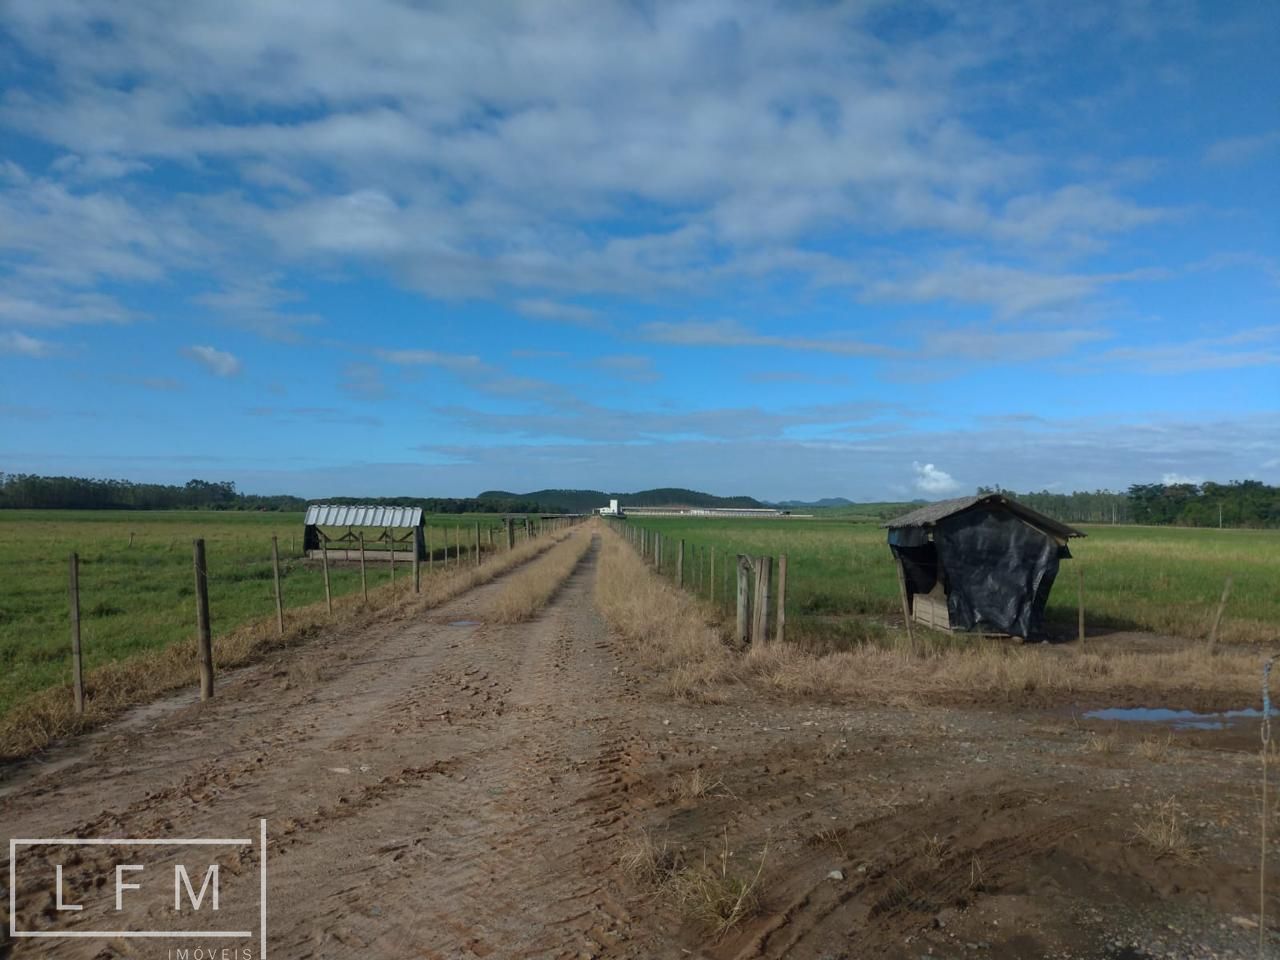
pixel 841 582
pixel 140 597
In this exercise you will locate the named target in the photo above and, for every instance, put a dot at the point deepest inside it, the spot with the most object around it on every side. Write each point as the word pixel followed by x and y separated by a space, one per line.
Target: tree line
pixel 1240 503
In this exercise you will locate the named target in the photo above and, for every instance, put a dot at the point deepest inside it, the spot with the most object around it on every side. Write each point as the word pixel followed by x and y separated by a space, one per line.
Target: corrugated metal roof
pixel 328 515
pixel 927 516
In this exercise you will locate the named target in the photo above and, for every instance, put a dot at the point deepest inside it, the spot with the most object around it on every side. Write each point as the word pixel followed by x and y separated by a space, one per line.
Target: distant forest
pixel 1244 503
pixel 30 492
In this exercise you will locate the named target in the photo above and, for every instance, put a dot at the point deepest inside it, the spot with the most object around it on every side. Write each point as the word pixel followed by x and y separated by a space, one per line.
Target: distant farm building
pixel 983 563
pixel 677 510
pixel 335 530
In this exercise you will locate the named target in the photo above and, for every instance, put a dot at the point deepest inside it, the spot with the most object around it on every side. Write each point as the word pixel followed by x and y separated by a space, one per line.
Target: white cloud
pixel 1237 150
pixel 494 150
pixel 560 312
pixel 929 479
pixel 1170 479
pixel 13 342
pixel 431 358
pixel 730 333
pixel 218 362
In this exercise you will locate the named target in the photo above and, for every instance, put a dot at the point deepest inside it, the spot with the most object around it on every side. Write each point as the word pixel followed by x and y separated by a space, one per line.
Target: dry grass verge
pixel 110 690
pixel 677 633
pixel 670 629
pixel 530 590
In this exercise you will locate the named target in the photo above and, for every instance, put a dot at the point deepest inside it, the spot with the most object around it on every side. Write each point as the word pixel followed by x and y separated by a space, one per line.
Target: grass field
pixel 141 597
pixel 1162 579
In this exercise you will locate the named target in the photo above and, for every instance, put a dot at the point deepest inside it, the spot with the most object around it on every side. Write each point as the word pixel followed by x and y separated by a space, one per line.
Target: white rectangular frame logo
pixel 117 841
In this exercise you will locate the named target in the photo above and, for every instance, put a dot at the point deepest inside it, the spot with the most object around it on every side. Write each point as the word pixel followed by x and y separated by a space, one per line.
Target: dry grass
pixel 1155 749
pixel 49 715
pixel 669 629
pixel 529 591
pixel 682 637
pixel 711 892
pixel 1104 743
pixel 696 785
pixel 1162 829
pixel 650 863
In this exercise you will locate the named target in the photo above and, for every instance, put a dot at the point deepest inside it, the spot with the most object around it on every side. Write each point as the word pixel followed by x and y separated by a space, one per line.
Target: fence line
pixel 758 612
pixel 203 619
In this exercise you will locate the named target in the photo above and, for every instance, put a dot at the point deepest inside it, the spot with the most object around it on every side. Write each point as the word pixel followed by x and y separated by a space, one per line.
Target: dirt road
pixel 440 787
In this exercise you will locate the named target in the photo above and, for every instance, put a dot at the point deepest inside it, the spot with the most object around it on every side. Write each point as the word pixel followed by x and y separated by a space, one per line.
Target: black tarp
pixel 998 571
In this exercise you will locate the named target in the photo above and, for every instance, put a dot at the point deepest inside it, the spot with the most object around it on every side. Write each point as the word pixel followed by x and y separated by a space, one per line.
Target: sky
pixel 788 250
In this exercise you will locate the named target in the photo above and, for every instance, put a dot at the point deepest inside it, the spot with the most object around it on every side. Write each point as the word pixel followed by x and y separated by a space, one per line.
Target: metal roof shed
pixel 983 563
pixel 400 526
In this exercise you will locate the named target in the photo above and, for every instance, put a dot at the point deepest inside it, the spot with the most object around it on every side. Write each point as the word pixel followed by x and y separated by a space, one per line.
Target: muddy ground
pixel 436 787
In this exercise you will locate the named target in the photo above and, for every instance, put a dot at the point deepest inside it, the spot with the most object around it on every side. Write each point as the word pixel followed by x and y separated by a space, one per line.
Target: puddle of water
pixel 464 623
pixel 1178 719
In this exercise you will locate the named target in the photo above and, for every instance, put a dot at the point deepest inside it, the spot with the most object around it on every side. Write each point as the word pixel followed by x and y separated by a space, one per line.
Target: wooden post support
pixel 324 562
pixel 527 534
pixel 713 574
pixel 431 556
pixel 391 542
pixel 490 539
pixel 457 545
pixel 417 559
pixel 781 636
pixel 77 662
pixel 511 533
pixel 760 620
pixel 477 526
pixel 906 604
pixel 204 636
pixel 131 536
pixel 742 632
pixel 275 570
pixel 364 579
pixel 680 565
pixel 1079 602
pixel 1217 617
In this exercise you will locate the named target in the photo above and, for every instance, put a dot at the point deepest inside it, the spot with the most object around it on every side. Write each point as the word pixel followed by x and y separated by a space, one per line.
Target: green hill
pixel 584 501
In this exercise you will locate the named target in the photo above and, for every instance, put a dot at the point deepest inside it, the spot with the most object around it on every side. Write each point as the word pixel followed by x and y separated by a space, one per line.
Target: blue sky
pixel 788 250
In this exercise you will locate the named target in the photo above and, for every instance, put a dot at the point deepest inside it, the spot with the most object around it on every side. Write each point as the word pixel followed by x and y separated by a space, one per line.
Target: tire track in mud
pixel 515 856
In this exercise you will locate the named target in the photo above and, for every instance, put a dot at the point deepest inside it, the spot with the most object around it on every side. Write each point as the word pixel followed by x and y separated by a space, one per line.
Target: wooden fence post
pixel 324 561
pixel 275 570
pixel 477 544
pixel 680 565
pixel 431 556
pixel 77 662
pixel 391 542
pixel 657 550
pixel 130 538
pixel 490 539
pixel 417 559
pixel 1217 617
pixel 906 604
pixel 713 575
pixel 781 636
pixel 204 636
pixel 1079 602
pixel 744 600
pixel 511 533
pixel 760 622
pixel 364 580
